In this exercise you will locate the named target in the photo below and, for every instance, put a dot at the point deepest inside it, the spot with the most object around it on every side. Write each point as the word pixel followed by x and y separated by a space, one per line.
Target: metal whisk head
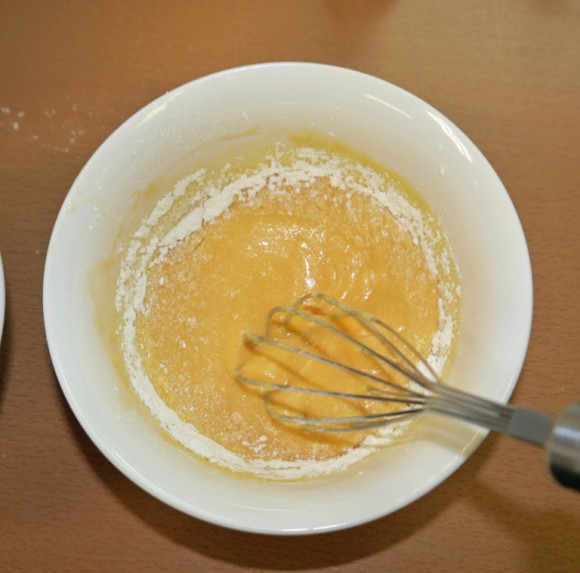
pixel 326 367
pixel 375 370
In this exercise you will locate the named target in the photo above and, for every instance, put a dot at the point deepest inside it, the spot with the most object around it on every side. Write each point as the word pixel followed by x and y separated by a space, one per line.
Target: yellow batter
pixel 222 280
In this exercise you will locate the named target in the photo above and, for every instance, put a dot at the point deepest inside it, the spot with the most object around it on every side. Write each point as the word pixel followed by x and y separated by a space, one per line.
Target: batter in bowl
pixel 223 248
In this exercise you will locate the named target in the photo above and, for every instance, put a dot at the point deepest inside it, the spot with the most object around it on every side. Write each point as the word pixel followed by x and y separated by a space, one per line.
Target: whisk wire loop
pixel 423 392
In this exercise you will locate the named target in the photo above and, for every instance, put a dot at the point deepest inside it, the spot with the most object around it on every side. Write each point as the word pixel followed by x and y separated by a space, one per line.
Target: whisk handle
pixel 563 447
pixel 531 426
pixel 560 436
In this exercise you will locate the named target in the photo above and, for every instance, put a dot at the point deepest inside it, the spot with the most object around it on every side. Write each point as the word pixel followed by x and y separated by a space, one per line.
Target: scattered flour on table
pixel 61 127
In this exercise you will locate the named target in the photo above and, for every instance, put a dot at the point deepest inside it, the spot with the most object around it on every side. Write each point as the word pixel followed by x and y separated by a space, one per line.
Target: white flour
pixel 198 200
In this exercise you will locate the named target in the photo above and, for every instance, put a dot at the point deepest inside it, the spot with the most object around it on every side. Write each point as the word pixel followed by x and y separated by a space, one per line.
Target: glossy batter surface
pixel 222 280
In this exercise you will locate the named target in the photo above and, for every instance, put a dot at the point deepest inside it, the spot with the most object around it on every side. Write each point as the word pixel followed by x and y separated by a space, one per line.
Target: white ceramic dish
pixel 2 298
pixel 390 125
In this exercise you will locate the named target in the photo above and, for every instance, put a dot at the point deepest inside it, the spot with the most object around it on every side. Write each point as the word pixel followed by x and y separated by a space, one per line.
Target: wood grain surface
pixel 507 72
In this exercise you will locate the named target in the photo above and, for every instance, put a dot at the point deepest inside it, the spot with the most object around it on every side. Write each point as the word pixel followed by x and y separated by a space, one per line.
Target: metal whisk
pixel 394 375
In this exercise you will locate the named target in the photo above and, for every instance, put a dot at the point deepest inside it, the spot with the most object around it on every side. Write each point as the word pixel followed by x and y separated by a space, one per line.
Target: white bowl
pixel 371 115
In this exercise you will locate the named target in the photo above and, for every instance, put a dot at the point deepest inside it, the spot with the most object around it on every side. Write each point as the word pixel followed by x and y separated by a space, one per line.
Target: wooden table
pixel 508 73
